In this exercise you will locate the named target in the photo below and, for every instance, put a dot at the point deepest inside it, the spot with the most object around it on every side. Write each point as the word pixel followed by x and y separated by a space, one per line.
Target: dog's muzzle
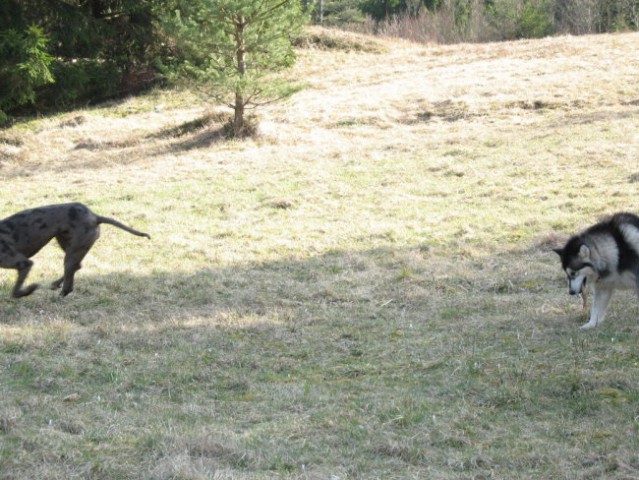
pixel 576 289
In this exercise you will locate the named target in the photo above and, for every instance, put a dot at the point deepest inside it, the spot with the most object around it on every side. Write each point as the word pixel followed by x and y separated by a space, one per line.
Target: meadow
pixel 364 290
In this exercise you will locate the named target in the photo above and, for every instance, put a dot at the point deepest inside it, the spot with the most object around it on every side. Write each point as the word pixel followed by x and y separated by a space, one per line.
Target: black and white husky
pixel 605 255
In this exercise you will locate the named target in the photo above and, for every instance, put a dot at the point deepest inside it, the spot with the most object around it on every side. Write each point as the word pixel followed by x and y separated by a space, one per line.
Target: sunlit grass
pixel 365 290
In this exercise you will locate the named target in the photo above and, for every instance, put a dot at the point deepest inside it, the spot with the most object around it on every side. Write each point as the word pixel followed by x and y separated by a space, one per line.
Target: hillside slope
pixel 365 290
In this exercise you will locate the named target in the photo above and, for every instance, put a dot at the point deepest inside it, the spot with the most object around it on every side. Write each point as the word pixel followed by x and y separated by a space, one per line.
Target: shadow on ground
pixel 402 282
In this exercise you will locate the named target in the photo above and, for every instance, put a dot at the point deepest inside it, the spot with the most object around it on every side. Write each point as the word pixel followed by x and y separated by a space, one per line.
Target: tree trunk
pixel 238 119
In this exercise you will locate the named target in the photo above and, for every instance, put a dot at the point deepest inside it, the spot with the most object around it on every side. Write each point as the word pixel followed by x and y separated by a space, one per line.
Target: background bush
pixel 80 81
pixel 451 21
pixel 86 47
pixel 24 66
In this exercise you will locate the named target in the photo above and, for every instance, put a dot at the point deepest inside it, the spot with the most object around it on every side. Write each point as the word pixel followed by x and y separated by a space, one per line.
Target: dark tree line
pixel 62 52
pixel 567 16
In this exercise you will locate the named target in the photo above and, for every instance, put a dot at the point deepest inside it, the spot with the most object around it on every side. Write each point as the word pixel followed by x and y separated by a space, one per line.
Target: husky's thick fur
pixel 605 255
pixel 74 226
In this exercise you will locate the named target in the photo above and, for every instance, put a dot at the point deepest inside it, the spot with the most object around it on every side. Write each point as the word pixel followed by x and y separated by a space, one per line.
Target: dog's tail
pixel 115 223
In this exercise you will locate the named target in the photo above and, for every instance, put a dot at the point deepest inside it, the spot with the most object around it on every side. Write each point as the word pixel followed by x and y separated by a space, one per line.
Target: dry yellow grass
pixel 363 291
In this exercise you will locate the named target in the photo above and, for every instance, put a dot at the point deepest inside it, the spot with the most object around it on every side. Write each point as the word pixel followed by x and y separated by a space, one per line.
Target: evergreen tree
pixel 57 53
pixel 381 9
pixel 24 66
pixel 234 48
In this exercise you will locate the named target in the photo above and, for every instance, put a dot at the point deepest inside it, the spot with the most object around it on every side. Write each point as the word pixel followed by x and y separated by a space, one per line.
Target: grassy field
pixel 366 290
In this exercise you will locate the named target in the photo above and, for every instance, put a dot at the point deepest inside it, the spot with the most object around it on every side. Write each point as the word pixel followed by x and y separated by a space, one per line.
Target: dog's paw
pixel 588 326
pixel 26 291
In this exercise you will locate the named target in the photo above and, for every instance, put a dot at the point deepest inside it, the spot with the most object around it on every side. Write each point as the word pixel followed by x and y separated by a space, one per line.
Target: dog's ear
pixel 559 251
pixel 584 252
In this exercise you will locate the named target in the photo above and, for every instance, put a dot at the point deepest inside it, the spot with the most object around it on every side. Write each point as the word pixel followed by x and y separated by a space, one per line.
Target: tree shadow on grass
pixel 205 131
pixel 255 288
pixel 198 133
pixel 313 345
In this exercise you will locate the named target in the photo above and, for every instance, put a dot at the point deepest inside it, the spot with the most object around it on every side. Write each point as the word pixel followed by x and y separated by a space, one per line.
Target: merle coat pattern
pixel 73 225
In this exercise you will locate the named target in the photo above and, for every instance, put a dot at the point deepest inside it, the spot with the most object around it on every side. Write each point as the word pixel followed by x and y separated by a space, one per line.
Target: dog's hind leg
pixel 73 261
pixel 63 241
pixel 57 284
pixel 599 306
pixel 71 265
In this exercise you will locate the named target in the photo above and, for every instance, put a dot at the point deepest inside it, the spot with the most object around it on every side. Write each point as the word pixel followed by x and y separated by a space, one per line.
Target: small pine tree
pixel 234 48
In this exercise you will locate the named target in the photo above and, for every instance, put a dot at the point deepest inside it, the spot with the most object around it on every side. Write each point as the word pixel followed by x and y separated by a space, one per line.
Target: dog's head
pixel 576 260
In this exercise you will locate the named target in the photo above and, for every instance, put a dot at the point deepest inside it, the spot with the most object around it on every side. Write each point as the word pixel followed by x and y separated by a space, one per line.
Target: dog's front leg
pixel 23 266
pixel 599 306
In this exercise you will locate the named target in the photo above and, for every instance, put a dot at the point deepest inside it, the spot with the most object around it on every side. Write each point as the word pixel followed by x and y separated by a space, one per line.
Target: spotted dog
pixel 73 225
